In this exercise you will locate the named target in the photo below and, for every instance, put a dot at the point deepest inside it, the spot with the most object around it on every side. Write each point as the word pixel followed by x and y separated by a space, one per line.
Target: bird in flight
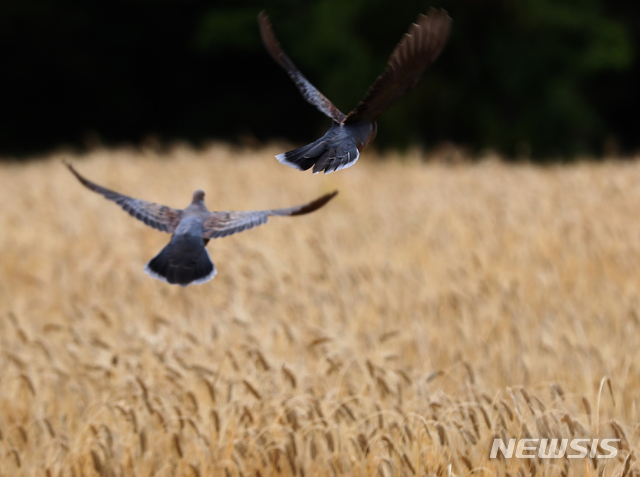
pixel 350 133
pixel 185 259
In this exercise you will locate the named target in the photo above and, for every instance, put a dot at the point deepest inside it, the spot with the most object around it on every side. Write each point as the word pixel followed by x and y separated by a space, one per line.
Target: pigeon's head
pixel 198 196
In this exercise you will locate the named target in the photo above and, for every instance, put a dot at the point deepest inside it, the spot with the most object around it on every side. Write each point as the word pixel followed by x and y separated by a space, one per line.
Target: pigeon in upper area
pixel 349 134
pixel 185 259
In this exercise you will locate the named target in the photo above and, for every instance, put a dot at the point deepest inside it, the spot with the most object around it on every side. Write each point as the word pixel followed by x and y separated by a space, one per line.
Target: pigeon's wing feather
pixel 157 216
pixel 221 224
pixel 418 49
pixel 310 92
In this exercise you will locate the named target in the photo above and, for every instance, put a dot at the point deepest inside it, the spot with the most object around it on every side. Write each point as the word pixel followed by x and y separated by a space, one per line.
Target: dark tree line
pixel 549 78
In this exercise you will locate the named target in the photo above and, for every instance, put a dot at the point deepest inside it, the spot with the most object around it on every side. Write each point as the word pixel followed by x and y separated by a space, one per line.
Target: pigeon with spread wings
pixel 185 259
pixel 350 133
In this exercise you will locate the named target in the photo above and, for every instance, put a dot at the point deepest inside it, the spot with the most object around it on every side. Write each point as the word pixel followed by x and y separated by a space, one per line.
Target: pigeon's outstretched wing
pixel 157 216
pixel 418 49
pixel 310 92
pixel 221 224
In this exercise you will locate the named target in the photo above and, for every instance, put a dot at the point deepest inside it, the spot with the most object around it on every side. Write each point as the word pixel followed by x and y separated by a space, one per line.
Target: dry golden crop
pixel 429 308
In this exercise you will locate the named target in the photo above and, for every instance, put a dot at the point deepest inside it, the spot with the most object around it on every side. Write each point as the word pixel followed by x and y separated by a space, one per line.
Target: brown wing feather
pixel 418 49
pixel 157 216
pixel 308 91
pixel 221 224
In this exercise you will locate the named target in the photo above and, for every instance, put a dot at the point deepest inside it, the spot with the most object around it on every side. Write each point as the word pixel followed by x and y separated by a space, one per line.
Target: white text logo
pixel 555 448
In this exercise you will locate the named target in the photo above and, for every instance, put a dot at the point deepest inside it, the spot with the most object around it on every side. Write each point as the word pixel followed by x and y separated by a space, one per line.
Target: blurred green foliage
pixel 546 78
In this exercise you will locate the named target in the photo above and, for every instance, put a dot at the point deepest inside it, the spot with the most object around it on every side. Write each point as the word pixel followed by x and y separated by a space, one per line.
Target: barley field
pixel 431 307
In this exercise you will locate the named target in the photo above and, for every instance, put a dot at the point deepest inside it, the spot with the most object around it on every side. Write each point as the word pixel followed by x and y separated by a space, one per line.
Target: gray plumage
pixel 185 259
pixel 350 133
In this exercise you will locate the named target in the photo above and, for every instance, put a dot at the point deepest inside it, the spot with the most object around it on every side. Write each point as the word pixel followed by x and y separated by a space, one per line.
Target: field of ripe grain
pixel 427 309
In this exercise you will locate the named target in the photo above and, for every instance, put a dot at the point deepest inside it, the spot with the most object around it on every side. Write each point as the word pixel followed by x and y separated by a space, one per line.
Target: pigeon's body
pixel 185 259
pixel 338 149
pixel 350 133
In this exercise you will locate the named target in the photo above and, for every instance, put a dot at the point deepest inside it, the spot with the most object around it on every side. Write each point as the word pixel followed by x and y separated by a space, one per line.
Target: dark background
pixel 541 78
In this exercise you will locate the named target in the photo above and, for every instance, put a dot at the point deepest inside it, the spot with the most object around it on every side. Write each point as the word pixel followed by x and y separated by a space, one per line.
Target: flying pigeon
pixel 185 259
pixel 349 134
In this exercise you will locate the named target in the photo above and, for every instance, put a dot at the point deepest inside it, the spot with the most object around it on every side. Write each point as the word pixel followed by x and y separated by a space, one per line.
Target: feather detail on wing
pixel 221 224
pixel 308 91
pixel 157 216
pixel 418 49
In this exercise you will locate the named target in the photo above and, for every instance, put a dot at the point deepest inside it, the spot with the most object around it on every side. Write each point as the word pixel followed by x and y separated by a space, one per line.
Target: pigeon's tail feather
pixel 304 157
pixel 332 161
pixel 182 262
pixel 322 156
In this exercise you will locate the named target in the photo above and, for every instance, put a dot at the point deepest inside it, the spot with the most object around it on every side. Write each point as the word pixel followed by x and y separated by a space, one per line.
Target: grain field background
pixel 429 308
